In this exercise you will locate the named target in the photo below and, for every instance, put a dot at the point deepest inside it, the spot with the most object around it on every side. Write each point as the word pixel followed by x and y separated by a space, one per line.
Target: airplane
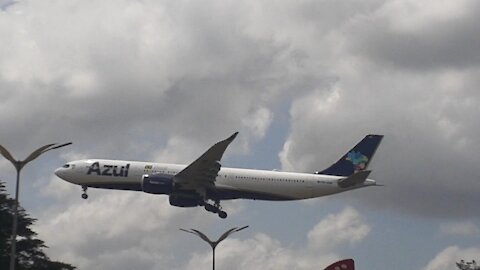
pixel 204 182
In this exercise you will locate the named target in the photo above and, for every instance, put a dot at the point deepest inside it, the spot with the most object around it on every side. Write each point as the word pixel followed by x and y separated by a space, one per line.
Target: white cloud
pixel 258 121
pixel 99 233
pixel 82 84
pixel 140 230
pixel 447 258
pixel 264 252
pixel 59 189
pixel 260 252
pixel 347 227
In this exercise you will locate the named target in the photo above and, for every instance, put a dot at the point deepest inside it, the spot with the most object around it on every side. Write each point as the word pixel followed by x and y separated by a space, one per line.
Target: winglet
pixel 231 138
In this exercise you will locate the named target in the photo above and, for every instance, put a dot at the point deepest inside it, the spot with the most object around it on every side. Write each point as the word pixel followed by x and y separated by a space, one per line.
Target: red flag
pixel 347 264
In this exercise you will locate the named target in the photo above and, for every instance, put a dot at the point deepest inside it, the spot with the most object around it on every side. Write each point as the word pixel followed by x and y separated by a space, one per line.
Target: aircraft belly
pixel 319 190
pixel 261 191
pixel 323 192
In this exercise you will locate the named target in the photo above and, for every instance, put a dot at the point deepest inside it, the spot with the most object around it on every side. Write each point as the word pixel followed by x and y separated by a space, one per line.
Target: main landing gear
pixel 84 195
pixel 215 208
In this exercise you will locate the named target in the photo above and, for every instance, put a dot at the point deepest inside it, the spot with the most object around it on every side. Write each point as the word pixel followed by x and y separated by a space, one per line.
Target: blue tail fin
pixel 357 159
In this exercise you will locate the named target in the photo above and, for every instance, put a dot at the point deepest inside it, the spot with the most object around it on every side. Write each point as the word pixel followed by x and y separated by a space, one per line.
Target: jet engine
pixel 184 200
pixel 157 183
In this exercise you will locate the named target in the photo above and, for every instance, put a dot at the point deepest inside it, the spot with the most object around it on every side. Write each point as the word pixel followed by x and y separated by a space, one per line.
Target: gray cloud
pixel 428 156
pixel 172 73
pixel 429 117
pixel 143 70
pixel 162 80
pixel 172 77
pixel 418 35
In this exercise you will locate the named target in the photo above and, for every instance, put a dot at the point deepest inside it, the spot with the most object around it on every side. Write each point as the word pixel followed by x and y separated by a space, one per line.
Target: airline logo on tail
pixel 358 160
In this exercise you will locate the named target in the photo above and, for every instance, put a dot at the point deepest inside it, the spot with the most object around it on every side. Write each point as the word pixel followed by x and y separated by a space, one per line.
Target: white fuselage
pixel 231 183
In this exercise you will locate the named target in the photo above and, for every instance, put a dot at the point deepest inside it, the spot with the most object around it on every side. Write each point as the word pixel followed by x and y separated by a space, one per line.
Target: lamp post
pixel 18 164
pixel 214 244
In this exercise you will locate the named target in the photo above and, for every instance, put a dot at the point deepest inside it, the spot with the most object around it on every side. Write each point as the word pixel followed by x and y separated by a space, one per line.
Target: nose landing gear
pixel 84 195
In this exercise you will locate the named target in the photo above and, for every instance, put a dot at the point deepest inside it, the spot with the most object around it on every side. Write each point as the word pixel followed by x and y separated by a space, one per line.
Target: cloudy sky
pixel 302 81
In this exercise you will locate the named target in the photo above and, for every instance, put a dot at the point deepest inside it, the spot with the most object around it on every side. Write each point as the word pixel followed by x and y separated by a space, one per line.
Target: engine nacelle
pixel 184 200
pixel 157 183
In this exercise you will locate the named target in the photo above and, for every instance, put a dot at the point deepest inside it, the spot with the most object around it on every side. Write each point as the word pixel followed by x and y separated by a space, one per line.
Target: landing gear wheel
pixel 84 195
pixel 222 214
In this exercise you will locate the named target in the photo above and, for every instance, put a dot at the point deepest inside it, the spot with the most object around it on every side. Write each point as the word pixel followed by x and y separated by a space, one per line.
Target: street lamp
pixel 18 164
pixel 214 244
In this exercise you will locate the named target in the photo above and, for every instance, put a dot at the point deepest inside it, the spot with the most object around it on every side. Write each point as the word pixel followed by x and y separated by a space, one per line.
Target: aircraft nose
pixel 66 173
pixel 57 172
pixel 60 172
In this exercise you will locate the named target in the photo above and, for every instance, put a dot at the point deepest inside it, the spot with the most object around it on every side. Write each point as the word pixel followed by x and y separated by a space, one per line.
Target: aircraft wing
pixel 201 173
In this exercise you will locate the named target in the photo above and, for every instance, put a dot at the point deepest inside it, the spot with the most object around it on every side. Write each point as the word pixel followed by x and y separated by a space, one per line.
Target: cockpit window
pixel 66 166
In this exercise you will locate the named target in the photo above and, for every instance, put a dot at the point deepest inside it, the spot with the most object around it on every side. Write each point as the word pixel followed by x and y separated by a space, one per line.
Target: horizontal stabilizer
pixel 354 179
